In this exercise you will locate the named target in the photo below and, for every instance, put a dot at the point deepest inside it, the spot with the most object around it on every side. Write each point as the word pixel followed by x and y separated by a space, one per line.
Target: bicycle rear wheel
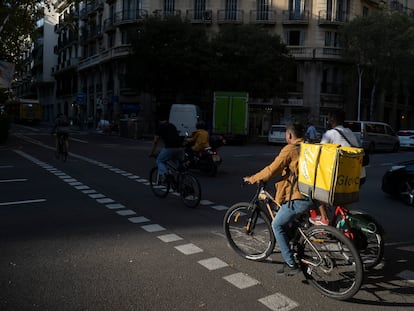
pixel 371 231
pixel 339 272
pixel 158 187
pixel 190 190
pixel 249 232
pixel 64 151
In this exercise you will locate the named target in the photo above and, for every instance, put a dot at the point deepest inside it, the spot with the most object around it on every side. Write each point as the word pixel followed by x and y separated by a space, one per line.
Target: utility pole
pixel 360 72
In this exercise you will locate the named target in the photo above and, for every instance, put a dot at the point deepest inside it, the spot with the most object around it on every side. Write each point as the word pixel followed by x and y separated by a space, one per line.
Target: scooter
pixel 207 160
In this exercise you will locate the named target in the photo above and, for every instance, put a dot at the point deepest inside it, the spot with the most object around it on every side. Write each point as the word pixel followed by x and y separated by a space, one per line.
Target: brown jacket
pixel 287 158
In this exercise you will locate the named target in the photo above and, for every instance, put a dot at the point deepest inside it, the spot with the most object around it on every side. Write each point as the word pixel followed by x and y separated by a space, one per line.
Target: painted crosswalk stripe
pixel 96 196
pixel 278 302
pixel 205 202
pixel 213 263
pixel 189 249
pixel 241 280
pixel 105 200
pixel 167 238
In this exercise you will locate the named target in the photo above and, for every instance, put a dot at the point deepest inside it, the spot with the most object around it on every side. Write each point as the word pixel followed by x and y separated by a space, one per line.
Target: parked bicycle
pixel 360 227
pixel 178 180
pixel 329 261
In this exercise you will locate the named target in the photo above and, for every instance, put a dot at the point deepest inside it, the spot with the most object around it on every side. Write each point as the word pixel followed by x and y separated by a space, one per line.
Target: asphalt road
pixel 88 234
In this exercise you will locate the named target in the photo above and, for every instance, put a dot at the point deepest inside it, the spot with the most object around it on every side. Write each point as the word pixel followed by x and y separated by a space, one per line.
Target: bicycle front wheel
pixel 249 232
pixel 330 262
pixel 190 190
pixel 158 187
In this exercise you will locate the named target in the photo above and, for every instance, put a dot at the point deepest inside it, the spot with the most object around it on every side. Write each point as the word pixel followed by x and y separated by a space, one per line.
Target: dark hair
pixel 201 125
pixel 296 128
pixel 338 116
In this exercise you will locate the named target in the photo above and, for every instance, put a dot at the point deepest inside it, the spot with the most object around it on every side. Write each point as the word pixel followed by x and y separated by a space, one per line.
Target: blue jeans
pixel 167 154
pixel 282 219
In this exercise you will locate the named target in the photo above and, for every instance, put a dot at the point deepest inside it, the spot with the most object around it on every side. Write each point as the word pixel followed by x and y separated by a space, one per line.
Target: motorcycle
pixel 208 159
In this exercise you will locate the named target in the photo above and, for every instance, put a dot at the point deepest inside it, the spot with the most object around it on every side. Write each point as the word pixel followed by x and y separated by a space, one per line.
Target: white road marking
pixel 79 140
pixel 407 275
pixel 167 238
pixel 89 191
pixel 105 200
pixel 97 196
pixel 115 206
pixel 138 220
pixel 213 263
pixel 278 302
pixel 188 249
pixel 6 166
pixel 205 202
pixel 83 187
pixel 22 202
pixel 241 280
pixel 126 212
pixel 220 207
pixel 153 228
pixel 13 180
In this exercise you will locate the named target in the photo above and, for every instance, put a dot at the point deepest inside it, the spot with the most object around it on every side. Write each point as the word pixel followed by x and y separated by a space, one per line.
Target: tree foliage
pixel 383 44
pixel 17 21
pixel 173 55
pixel 249 58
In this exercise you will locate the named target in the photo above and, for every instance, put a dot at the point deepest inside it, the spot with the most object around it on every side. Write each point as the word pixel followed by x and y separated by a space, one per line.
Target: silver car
pixel 277 134
pixel 406 138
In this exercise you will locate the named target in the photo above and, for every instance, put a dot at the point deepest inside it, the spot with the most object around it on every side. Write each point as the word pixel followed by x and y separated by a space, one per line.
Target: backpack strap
pixel 346 138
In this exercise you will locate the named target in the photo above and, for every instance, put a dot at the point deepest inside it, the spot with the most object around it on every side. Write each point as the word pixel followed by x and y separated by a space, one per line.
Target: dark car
pixel 398 181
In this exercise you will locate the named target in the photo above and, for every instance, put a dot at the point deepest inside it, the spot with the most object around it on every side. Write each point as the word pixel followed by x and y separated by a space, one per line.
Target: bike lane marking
pixel 239 280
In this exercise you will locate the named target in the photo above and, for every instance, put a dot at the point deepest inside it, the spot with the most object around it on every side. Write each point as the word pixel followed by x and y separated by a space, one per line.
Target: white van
pixel 374 136
pixel 184 117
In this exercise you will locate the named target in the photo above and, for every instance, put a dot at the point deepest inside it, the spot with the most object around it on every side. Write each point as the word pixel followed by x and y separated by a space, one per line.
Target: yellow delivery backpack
pixel 330 173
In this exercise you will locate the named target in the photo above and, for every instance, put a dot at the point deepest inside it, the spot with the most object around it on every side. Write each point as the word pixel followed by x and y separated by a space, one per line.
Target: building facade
pixel 92 45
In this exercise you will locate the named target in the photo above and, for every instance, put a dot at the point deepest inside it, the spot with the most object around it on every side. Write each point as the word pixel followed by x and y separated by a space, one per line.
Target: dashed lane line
pixel 241 280
pixel 278 302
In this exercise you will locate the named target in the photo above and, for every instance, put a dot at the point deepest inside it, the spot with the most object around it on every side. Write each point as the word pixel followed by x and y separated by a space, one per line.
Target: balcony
pixel 199 16
pixel 327 18
pixel 315 53
pixel 263 17
pixel 170 13
pixel 129 17
pixel 295 18
pixel 230 16
pixel 113 53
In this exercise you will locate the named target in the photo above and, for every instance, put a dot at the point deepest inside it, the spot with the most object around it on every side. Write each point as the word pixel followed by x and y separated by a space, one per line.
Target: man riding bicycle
pixel 287 192
pixel 172 149
pixel 61 128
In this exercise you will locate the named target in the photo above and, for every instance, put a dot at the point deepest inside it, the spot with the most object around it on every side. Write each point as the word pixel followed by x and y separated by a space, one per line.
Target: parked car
pixel 374 136
pixel 398 182
pixel 406 138
pixel 277 134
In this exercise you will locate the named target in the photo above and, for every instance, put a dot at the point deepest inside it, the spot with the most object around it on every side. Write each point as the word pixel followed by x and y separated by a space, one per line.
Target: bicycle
pixel 179 180
pixel 366 233
pixel 62 152
pixel 329 261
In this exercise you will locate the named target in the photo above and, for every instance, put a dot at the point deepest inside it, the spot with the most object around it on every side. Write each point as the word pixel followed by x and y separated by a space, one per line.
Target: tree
pixel 382 45
pixel 17 21
pixel 249 58
pixel 169 56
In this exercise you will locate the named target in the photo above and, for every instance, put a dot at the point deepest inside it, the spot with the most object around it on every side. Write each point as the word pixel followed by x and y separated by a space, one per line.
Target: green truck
pixel 231 115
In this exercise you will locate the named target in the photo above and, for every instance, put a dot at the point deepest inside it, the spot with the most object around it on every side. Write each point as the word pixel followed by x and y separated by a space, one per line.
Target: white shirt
pixel 333 137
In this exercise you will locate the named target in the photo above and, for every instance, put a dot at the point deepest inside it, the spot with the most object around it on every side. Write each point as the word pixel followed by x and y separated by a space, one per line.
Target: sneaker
pixel 288 270
pixel 318 221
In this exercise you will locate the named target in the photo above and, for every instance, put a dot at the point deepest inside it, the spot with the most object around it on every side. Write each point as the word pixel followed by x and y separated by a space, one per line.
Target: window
pixel 263 9
pixel 231 9
pixel 294 37
pixel 169 7
pixel 296 9
pixel 331 39
pixel 199 9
